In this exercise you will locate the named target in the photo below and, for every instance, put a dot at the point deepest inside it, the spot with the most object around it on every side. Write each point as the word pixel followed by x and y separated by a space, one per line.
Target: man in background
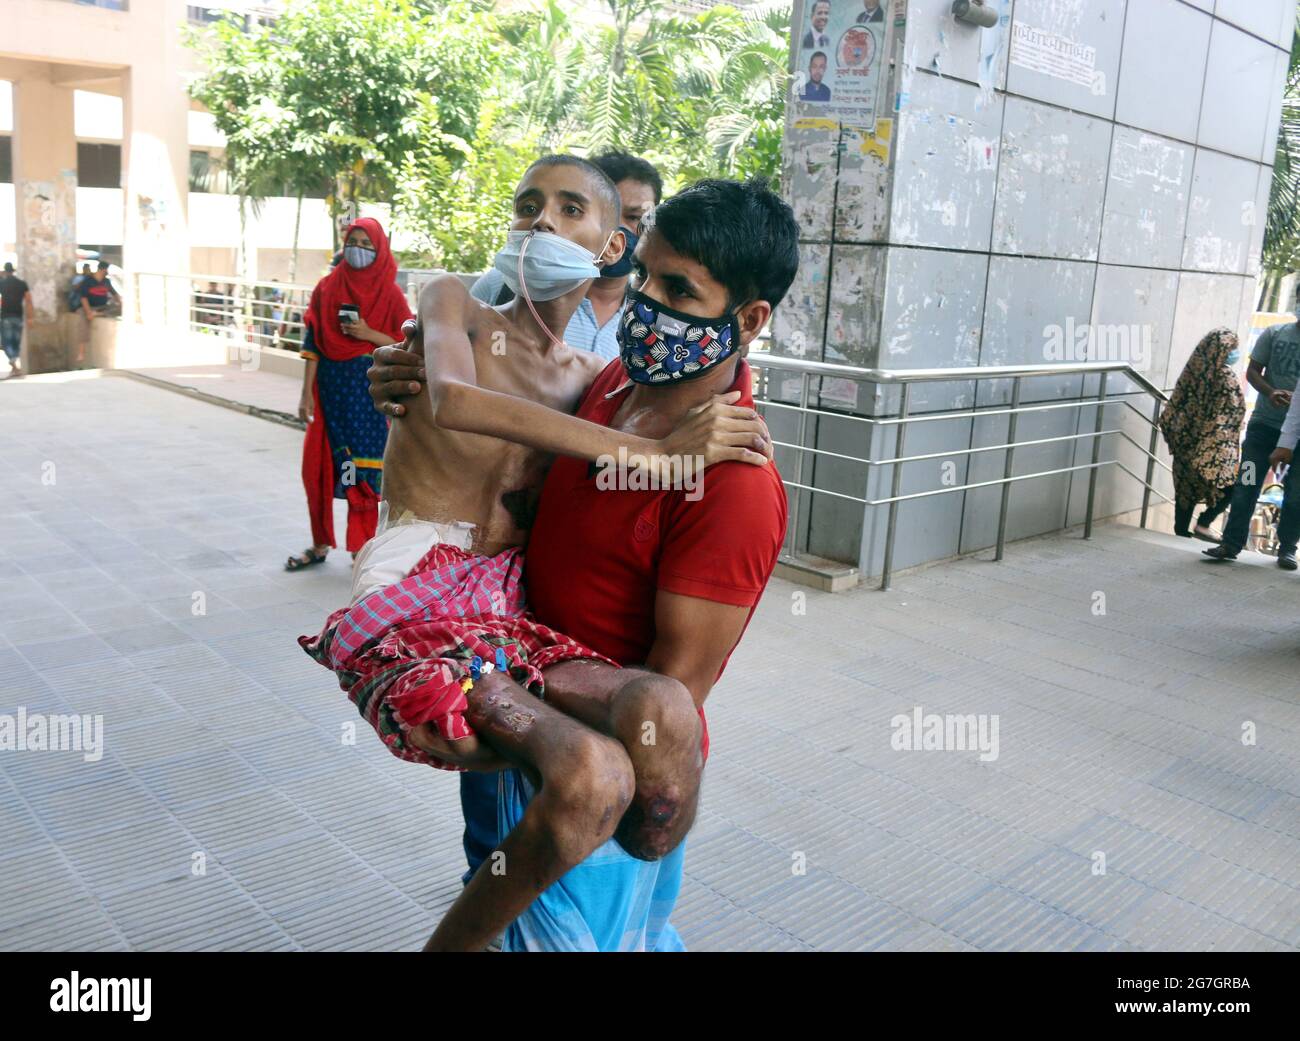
pixel 1284 455
pixel 97 299
pixel 15 315
pixel 594 326
pixel 1273 371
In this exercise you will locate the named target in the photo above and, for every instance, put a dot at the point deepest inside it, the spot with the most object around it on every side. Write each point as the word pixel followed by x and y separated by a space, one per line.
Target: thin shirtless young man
pixel 463 470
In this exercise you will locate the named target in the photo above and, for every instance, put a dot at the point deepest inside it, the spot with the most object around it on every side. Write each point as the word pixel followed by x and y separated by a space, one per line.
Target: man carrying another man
pixel 402 650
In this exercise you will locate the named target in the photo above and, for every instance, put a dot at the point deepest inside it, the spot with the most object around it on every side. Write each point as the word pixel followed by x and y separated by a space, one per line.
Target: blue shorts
pixel 11 334
pixel 609 902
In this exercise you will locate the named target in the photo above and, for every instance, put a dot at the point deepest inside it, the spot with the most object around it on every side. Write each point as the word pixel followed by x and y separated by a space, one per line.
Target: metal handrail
pixel 977 372
pixel 769 365
pixel 240 313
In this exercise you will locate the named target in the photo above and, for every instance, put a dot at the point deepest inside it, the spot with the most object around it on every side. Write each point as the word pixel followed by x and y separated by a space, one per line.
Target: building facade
pixel 1081 180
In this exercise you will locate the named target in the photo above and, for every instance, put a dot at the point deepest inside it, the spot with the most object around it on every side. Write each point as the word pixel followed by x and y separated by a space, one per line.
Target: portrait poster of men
pixel 841 56
pixel 815 89
pixel 815 38
pixel 872 13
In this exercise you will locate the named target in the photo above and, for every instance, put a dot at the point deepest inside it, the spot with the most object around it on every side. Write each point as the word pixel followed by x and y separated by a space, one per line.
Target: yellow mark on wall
pixel 879 145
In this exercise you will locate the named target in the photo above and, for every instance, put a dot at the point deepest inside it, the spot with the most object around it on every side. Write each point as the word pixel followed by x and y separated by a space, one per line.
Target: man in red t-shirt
pixel 661 577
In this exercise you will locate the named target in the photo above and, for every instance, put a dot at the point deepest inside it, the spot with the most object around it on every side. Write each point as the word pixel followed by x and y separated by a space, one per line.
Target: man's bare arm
pixel 1255 377
pixel 693 637
pixel 718 431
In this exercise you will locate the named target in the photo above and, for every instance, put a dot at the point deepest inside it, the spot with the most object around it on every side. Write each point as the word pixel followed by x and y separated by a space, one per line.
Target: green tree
pixel 1282 229
pixel 731 103
pixel 333 90
pixel 698 96
pixel 438 105
pixel 455 196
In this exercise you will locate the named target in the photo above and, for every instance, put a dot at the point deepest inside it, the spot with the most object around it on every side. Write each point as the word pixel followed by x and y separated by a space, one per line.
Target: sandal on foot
pixel 308 558
pixel 1206 535
pixel 1220 552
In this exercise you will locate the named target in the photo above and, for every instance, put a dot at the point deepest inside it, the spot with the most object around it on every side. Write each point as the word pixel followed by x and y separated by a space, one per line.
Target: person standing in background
pixel 15 315
pixel 1202 426
pixel 97 297
pixel 354 309
pixel 78 280
pixel 639 190
pixel 1284 455
pixel 1273 371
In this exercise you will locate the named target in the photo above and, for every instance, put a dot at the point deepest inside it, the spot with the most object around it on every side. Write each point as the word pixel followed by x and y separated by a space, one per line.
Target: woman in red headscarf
pixel 343 456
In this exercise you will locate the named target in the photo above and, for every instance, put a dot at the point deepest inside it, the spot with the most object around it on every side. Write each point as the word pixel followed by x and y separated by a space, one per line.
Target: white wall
pixel 99 216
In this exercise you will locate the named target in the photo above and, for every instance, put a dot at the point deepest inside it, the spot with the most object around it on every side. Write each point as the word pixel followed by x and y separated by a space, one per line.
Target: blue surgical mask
pixel 1233 357
pixel 660 345
pixel 551 264
pixel 358 256
pixel 622 267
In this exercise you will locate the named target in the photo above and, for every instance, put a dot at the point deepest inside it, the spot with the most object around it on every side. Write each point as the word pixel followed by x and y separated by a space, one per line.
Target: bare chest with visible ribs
pixel 449 476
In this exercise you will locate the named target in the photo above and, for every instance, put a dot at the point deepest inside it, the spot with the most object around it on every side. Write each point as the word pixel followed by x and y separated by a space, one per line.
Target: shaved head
pixel 604 190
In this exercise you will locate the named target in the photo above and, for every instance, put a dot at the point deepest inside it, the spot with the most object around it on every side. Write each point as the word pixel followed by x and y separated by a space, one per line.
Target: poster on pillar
pixel 841 53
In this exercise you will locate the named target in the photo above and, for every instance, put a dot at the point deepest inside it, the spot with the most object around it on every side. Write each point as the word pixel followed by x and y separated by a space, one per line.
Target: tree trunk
pixel 297 223
pixel 243 306
pixel 239 303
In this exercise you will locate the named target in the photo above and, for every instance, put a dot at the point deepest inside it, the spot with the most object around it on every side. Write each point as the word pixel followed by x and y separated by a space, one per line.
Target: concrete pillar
pixel 45 196
pixel 155 165
pixel 1036 190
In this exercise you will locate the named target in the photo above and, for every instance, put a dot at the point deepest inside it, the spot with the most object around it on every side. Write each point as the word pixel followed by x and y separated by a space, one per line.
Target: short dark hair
pixel 623 166
pixel 815 56
pixel 743 232
pixel 605 190
pixel 8 266
pixel 103 266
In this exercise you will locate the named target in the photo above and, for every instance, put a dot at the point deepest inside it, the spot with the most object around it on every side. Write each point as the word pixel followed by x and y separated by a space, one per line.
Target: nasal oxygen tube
pixel 523 250
pixel 523 284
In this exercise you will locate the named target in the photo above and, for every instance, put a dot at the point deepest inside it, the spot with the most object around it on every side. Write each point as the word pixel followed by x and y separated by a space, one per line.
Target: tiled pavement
pixel 1120 732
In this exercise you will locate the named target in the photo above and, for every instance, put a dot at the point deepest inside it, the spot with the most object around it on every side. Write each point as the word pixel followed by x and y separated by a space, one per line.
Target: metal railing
pixel 770 368
pixel 266 315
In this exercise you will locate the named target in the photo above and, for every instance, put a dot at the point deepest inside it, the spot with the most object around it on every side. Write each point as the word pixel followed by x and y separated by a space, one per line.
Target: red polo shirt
pixel 596 557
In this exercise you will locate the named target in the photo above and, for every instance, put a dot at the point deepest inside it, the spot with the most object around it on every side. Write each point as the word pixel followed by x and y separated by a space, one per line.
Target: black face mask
pixel 622 267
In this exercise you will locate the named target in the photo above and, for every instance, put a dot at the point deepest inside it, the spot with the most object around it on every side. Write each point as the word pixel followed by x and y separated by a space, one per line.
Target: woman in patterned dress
pixel 1202 426
pixel 343 455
